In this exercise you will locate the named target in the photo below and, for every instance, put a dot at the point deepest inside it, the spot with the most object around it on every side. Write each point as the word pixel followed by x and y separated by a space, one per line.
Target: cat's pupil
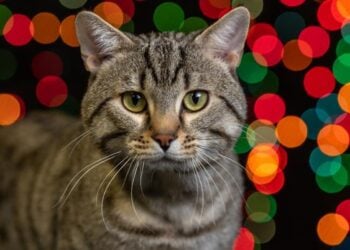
pixel 195 97
pixel 135 98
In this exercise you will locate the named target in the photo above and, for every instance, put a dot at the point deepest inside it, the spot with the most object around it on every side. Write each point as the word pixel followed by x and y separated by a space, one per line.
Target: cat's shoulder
pixel 37 129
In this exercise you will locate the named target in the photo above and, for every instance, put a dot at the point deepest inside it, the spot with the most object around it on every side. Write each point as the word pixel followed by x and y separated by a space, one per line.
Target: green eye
pixel 195 100
pixel 134 102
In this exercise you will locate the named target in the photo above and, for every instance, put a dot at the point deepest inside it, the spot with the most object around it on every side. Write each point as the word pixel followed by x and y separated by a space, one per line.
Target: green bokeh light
pixel 193 24
pixel 270 84
pixel 328 108
pixel 334 183
pixel 342 47
pixel 263 232
pixel 288 25
pixel 261 208
pixel 341 68
pixel 255 7
pixel 314 124
pixel 324 165
pixel 128 27
pixel 250 71
pixel 8 64
pixel 5 14
pixel 345 32
pixel 168 16
pixel 346 164
pixel 73 4
pixel 242 145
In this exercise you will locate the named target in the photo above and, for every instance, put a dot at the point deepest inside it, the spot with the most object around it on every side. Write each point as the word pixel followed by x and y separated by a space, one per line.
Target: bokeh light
pixel 244 241
pixel 5 14
pixel 250 71
pixel 291 131
pixel 326 16
pixel 192 24
pixel 316 38
pixel 333 140
pixel 73 4
pixel 10 109
pixel 344 98
pixel 67 31
pixel 262 163
pixel 269 107
pixel 110 12
pixel 51 91
pixel 18 30
pixel 319 81
pixel 46 27
pixel 168 16
pixel 332 229
pixel 289 25
pixel 46 63
pixel 341 67
pixel 8 64
pixel 268 50
pixel 293 58
pixel 260 208
pixel 292 3
pixel 214 9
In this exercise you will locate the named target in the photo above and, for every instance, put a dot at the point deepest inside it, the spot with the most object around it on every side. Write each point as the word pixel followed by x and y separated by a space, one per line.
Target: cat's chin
pixel 167 162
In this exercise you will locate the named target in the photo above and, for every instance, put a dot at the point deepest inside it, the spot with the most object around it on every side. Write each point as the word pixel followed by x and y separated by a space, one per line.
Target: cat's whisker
pixel 196 180
pixel 64 196
pixel 228 172
pixel 105 192
pixel 131 192
pixel 205 158
pixel 202 193
pixel 206 175
pixel 140 180
pixel 76 144
pixel 216 187
pixel 236 163
pixel 79 137
pixel 106 177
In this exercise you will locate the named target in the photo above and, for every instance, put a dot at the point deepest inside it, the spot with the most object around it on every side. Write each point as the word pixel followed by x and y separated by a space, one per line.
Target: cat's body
pixel 160 178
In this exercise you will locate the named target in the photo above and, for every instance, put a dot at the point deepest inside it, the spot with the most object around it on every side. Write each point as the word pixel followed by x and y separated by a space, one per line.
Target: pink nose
pixel 163 140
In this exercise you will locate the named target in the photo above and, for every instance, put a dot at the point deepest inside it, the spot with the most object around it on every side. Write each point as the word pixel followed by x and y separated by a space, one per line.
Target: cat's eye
pixel 134 102
pixel 195 100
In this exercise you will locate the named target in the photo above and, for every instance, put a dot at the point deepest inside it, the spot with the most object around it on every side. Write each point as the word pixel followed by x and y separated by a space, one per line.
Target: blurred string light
pixel 288 41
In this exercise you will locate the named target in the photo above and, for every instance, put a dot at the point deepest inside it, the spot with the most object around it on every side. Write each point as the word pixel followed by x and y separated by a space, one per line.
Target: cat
pixel 150 164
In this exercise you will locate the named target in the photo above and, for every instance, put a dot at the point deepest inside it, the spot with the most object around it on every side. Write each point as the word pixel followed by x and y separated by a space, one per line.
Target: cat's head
pixel 164 97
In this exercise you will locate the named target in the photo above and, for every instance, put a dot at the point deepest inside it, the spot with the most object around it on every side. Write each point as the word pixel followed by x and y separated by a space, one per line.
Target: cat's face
pixel 166 98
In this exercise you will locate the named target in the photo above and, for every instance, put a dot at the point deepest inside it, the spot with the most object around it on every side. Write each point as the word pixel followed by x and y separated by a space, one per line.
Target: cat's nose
pixel 164 140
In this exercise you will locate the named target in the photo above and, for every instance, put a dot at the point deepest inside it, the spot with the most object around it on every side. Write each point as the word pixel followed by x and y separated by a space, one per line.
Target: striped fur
pixel 103 182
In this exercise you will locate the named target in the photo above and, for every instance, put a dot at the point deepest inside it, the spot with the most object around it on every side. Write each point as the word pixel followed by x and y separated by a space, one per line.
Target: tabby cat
pixel 150 164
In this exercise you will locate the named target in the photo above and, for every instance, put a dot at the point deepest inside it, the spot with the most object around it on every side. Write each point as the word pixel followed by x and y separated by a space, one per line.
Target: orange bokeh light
pixel 262 163
pixel 46 27
pixel 67 31
pixel 344 98
pixel 291 131
pixel 333 140
pixel 293 58
pixel 332 229
pixel 10 109
pixel 343 7
pixel 111 13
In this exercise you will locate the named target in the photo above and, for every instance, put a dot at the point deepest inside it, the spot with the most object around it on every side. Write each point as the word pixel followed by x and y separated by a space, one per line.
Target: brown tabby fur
pixel 103 182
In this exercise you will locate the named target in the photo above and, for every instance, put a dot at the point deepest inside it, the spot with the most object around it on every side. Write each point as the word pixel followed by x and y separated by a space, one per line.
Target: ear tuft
pixel 225 39
pixel 97 39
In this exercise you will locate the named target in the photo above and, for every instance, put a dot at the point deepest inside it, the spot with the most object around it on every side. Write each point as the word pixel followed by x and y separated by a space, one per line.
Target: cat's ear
pixel 98 39
pixel 226 37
